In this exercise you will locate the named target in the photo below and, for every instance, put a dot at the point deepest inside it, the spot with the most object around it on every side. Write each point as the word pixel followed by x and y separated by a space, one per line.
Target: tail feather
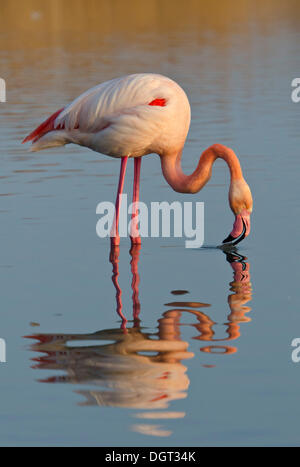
pixel 52 139
pixel 45 127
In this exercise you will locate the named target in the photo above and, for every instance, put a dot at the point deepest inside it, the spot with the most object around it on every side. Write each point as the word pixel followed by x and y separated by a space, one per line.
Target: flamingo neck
pixel 182 183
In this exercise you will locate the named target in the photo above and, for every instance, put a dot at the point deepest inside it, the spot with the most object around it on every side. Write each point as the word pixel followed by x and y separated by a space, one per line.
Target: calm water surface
pixel 159 345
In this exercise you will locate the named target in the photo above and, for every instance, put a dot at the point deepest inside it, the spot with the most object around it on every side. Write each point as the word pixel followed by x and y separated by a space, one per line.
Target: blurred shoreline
pixel 71 23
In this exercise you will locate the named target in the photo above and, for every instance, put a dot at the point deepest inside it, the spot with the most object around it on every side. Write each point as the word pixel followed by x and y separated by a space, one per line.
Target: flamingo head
pixel 240 200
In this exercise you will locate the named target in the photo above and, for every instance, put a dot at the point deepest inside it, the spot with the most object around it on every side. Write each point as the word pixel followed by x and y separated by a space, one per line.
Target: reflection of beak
pixel 241 229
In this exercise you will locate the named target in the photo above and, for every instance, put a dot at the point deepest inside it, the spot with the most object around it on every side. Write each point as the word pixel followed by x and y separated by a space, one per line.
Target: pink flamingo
pixel 137 115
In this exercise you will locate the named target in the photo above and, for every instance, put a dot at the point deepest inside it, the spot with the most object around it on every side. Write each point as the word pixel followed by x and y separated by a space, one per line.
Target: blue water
pixel 180 375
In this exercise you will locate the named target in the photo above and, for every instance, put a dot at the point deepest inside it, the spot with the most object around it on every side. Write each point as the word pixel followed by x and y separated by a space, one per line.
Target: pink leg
pixel 135 237
pixel 115 239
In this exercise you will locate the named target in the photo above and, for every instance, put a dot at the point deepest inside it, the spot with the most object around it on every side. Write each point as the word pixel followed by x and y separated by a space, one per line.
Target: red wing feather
pixel 159 102
pixel 45 127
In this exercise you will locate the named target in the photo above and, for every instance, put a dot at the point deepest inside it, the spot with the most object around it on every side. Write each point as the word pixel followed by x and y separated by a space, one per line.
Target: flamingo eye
pixel 159 102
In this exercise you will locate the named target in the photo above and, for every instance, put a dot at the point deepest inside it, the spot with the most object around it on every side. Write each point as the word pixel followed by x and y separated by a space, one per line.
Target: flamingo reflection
pixel 242 294
pixel 133 367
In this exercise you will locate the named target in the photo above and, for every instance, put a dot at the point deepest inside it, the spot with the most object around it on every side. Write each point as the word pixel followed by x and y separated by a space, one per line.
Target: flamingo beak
pixel 241 229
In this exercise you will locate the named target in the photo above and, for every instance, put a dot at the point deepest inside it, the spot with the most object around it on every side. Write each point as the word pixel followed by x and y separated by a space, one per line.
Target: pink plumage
pixel 136 115
pixel 133 116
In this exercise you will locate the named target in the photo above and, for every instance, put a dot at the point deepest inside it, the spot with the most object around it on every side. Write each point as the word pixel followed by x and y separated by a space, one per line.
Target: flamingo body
pixel 117 118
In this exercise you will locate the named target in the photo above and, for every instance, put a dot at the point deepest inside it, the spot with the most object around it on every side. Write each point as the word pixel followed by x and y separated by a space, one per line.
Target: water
pixel 205 355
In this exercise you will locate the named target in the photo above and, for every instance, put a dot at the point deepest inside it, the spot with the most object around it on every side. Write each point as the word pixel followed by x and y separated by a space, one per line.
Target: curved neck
pixel 172 171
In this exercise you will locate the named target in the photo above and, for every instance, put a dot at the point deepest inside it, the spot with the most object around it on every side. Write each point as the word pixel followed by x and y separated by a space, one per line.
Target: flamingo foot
pixel 115 241
pixel 114 253
pixel 136 240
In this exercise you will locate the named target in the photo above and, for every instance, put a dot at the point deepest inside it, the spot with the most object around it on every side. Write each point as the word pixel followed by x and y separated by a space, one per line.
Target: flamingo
pixel 136 115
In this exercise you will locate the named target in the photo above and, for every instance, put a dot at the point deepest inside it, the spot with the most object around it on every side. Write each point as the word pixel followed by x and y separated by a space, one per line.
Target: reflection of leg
pixel 135 237
pixel 115 239
pixel 135 253
pixel 114 259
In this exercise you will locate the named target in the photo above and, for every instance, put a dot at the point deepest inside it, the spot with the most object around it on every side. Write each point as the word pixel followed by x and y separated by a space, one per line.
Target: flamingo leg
pixel 134 234
pixel 115 238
